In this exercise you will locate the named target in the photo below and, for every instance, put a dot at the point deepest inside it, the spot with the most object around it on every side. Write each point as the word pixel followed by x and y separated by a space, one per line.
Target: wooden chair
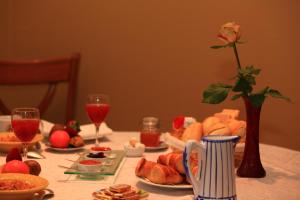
pixel 43 71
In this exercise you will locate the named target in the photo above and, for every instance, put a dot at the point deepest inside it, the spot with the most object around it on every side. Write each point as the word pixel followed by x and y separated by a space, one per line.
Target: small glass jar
pixel 150 133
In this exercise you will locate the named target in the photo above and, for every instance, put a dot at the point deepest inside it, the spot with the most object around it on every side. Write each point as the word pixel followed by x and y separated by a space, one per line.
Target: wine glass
pixel 25 123
pixel 97 107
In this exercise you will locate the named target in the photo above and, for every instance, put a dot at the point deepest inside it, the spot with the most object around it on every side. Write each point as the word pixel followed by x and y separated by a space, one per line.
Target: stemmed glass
pixel 97 107
pixel 25 124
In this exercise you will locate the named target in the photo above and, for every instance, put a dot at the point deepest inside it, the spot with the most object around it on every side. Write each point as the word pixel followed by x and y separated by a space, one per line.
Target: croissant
pixel 173 160
pixel 144 167
pixel 157 173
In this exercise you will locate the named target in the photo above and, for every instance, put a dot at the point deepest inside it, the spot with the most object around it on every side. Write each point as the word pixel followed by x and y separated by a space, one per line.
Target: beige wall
pixel 153 57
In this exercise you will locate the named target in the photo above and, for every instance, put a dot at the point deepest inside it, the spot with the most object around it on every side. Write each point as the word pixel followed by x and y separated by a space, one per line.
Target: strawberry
pixel 73 128
pixel 178 122
pixel 14 154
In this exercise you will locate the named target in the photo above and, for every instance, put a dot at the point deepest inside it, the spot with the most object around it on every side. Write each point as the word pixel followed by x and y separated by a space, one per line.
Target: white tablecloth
pixel 282 180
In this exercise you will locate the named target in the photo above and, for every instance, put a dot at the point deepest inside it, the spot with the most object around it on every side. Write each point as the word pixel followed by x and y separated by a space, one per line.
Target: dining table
pixel 281 182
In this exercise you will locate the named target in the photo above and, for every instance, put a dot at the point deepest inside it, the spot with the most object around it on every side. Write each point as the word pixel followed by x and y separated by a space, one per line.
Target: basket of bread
pixel 168 168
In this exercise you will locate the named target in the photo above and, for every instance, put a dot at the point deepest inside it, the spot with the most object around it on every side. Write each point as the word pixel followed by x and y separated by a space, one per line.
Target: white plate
pixel 179 186
pixel 88 131
pixel 64 149
pixel 161 146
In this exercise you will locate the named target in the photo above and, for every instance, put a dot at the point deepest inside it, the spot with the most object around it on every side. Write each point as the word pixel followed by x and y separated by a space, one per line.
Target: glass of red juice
pixel 25 123
pixel 97 107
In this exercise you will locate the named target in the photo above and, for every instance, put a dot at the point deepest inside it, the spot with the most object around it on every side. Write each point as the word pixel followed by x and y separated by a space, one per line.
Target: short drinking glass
pixel 25 124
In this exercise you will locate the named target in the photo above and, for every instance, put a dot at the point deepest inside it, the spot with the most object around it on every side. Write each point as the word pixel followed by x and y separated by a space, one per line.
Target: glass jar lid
pixel 150 122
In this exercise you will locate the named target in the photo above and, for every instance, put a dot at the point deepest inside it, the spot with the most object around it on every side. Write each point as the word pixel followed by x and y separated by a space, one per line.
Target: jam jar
pixel 150 133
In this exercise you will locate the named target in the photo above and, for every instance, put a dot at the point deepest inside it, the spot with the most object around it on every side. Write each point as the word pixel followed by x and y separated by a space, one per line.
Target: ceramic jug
pixel 214 177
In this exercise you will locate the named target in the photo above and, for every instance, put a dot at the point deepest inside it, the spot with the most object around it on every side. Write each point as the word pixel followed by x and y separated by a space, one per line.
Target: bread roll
pixel 219 129
pixel 214 126
pixel 238 128
pixel 209 122
pixel 232 112
pixel 192 132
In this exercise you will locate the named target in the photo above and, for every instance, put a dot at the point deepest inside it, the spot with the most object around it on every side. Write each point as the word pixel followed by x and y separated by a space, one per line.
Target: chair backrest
pixel 43 71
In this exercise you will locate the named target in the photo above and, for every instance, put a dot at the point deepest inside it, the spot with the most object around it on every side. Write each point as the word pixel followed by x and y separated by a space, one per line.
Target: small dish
pixel 134 151
pixel 89 165
pixel 96 150
pixel 162 146
pixel 100 156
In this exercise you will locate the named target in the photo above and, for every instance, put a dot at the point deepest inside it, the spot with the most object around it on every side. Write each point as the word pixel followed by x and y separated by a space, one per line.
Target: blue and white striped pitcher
pixel 215 177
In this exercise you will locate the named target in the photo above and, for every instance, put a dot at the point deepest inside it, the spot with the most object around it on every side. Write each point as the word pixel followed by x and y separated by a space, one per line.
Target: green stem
pixel 236 55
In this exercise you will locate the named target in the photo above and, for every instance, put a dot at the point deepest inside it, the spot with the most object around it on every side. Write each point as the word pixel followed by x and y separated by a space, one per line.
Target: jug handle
pixel 192 144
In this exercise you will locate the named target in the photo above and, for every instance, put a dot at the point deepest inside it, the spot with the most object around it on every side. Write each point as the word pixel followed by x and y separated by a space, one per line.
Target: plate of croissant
pixel 167 172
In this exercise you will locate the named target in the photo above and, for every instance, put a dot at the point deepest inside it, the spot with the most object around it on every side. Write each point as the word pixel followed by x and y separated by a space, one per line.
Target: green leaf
pixel 236 96
pixel 277 94
pixel 249 70
pixel 218 46
pixel 250 79
pixel 216 93
pixel 257 99
pixel 242 85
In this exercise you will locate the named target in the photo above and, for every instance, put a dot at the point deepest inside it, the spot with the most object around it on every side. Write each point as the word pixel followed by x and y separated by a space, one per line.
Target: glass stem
pixel 97 135
pixel 25 151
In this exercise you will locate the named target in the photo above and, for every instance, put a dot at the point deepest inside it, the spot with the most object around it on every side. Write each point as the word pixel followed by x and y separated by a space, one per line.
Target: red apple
pixel 15 166
pixel 59 139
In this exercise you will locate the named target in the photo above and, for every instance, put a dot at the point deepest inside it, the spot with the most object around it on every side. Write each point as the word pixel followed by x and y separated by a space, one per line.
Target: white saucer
pixel 161 146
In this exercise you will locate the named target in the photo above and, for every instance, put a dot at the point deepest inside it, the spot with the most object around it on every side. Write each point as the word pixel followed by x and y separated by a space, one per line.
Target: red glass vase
pixel 251 166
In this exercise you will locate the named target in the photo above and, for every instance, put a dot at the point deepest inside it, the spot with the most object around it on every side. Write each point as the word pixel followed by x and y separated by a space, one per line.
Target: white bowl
pixel 136 151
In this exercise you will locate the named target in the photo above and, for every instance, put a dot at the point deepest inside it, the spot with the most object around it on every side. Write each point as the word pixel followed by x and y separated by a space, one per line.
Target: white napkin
pixel 87 130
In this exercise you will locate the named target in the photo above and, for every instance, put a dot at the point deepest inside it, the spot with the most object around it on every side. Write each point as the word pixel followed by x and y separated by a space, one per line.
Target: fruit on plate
pixel 59 139
pixel 15 166
pixel 180 123
pixel 14 154
pixel 56 127
pixel 76 141
pixel 34 167
pixel 72 127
